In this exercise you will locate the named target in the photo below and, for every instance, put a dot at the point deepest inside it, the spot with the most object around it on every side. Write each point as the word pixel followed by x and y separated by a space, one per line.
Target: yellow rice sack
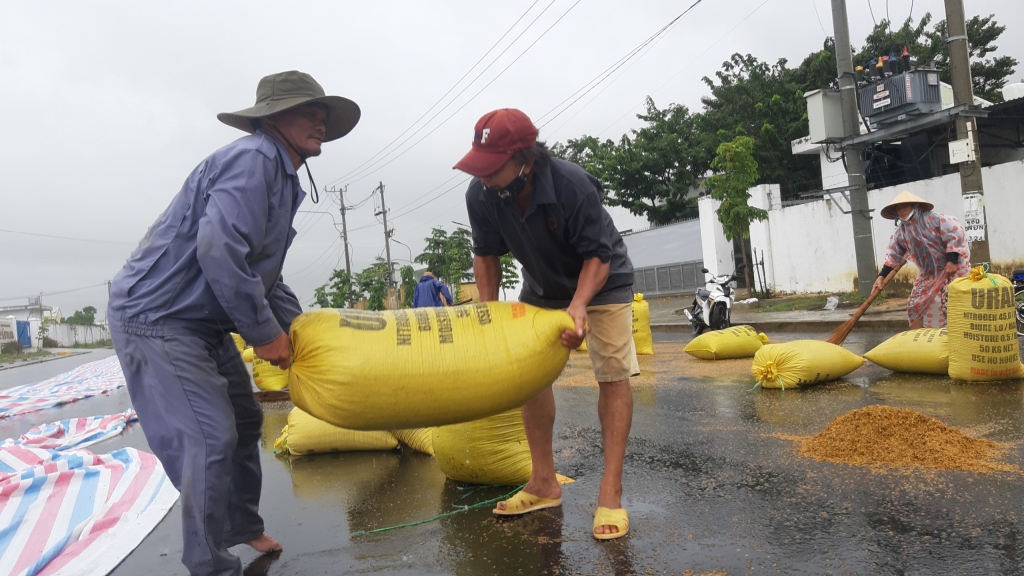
pixel 487 451
pixel 419 439
pixel 239 341
pixel 305 434
pixel 642 337
pixel 922 351
pixel 982 329
pixel 583 346
pixel 491 450
pixel 802 363
pixel 735 342
pixel 247 355
pixel 267 376
pixel 423 367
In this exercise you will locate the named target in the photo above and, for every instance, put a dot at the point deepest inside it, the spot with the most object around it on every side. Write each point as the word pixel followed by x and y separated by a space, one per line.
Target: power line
pixel 70 238
pixel 701 55
pixel 452 115
pixel 597 80
pixel 439 100
pixel 53 293
pixel 818 16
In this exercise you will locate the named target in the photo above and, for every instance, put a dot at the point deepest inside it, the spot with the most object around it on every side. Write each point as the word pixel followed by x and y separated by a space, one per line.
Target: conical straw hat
pixel 889 212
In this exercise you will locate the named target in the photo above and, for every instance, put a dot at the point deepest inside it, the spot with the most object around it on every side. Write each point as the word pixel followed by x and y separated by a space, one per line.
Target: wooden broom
pixel 839 336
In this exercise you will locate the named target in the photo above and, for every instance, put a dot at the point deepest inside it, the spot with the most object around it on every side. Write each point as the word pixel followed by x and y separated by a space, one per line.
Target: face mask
pixel 513 188
pixel 911 215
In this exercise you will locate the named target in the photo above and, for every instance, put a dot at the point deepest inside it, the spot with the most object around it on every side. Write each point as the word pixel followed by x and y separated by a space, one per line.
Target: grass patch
pixel 817 301
pixel 97 344
pixel 5 358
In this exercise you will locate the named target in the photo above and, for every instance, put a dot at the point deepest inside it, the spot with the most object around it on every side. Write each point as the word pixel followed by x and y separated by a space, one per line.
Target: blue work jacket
pixel 428 293
pixel 212 261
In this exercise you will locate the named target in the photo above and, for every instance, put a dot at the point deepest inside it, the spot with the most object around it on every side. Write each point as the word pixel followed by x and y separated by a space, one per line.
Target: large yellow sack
pixel 239 341
pixel 267 376
pixel 922 351
pixel 735 342
pixel 248 355
pixel 487 451
pixel 419 439
pixel 642 337
pixel 802 363
pixel 423 367
pixel 491 450
pixel 982 329
pixel 305 434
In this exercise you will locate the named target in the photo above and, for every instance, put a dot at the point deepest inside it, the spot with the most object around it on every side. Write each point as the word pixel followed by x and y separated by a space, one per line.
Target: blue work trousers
pixel 196 406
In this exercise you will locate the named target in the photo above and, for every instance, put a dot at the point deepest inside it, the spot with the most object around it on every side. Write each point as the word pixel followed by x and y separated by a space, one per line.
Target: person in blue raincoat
pixel 211 265
pixel 429 291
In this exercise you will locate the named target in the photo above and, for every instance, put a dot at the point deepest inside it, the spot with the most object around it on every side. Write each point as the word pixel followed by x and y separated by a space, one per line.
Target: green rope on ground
pixel 440 516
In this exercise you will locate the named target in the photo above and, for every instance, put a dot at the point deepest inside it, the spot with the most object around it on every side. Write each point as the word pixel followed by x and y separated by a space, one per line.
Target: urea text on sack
pixel 991 298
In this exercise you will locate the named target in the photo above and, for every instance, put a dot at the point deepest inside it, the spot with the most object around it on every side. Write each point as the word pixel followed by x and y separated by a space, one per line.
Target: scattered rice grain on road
pixel 669 359
pixel 887 436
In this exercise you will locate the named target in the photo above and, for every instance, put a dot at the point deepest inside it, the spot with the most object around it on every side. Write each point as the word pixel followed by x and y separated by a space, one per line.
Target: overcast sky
pixel 107 106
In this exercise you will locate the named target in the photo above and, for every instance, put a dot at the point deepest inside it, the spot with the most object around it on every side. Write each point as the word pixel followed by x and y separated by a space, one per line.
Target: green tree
pixel 766 103
pixel 736 173
pixel 988 76
pixel 84 317
pixel 408 285
pixel 509 274
pixel 341 291
pixel 652 171
pixel 373 281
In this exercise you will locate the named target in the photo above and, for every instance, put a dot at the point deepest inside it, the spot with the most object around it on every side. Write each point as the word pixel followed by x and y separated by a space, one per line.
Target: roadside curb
pixel 769 326
pixel 12 365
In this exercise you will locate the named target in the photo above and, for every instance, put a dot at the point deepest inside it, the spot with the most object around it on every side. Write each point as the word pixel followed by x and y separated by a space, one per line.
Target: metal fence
pixel 681 278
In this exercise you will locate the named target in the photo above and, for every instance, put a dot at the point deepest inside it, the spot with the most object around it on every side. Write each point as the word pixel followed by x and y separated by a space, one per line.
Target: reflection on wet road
pixel 707 486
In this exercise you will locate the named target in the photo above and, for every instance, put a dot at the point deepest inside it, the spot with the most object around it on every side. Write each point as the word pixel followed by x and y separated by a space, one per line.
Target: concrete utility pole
pixel 971 186
pixel 863 244
pixel 387 233
pixel 344 232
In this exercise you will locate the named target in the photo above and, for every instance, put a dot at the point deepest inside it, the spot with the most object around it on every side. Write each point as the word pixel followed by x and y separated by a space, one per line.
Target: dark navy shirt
pixel 564 225
pixel 213 259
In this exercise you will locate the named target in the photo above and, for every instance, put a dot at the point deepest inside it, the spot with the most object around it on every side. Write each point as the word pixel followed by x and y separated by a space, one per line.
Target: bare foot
pixel 550 489
pixel 264 544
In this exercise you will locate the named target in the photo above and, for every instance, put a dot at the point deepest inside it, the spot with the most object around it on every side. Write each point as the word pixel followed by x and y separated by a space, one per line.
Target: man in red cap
pixel 549 214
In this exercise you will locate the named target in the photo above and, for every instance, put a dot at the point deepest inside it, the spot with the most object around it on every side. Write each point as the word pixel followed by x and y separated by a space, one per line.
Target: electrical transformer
pixel 894 98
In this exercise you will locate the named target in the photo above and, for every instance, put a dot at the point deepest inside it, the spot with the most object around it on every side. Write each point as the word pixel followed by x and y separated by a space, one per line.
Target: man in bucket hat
pixel 937 245
pixel 210 265
pixel 548 213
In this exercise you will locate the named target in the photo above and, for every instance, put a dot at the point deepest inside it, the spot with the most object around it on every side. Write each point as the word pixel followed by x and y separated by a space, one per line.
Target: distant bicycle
pixel 1018 295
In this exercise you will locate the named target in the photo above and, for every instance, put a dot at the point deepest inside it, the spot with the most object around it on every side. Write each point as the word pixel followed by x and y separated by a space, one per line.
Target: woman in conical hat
pixel 936 244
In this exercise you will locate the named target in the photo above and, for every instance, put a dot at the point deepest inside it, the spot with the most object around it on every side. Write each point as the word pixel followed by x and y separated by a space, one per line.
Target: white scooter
pixel 712 306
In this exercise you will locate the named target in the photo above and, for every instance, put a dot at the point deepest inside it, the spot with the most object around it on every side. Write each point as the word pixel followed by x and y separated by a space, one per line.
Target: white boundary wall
pixel 809 247
pixel 68 335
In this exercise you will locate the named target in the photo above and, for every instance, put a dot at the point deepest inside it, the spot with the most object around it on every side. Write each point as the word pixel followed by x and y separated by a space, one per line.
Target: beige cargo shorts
pixel 610 342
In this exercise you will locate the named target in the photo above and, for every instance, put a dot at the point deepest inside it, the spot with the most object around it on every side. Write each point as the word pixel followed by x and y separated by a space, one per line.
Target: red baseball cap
pixel 497 136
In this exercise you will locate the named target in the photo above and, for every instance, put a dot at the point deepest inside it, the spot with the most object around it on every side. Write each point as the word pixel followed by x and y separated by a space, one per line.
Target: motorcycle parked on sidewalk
pixel 712 306
pixel 1018 296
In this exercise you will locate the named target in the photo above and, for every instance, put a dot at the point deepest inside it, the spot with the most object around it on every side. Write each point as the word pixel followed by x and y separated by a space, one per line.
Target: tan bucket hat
pixel 284 90
pixel 889 212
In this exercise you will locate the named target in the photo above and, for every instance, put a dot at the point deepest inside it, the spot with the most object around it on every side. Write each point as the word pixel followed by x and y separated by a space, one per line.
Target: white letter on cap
pixel 483 135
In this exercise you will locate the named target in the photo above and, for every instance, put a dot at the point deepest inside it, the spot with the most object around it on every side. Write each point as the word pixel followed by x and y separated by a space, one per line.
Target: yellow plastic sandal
pixel 524 502
pixel 617 517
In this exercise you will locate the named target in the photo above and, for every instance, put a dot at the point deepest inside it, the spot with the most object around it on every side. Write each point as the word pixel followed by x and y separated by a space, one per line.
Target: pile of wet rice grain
pixel 883 435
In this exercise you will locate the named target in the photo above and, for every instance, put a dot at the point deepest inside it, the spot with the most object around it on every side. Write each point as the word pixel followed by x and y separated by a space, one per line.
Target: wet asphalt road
pixel 708 488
